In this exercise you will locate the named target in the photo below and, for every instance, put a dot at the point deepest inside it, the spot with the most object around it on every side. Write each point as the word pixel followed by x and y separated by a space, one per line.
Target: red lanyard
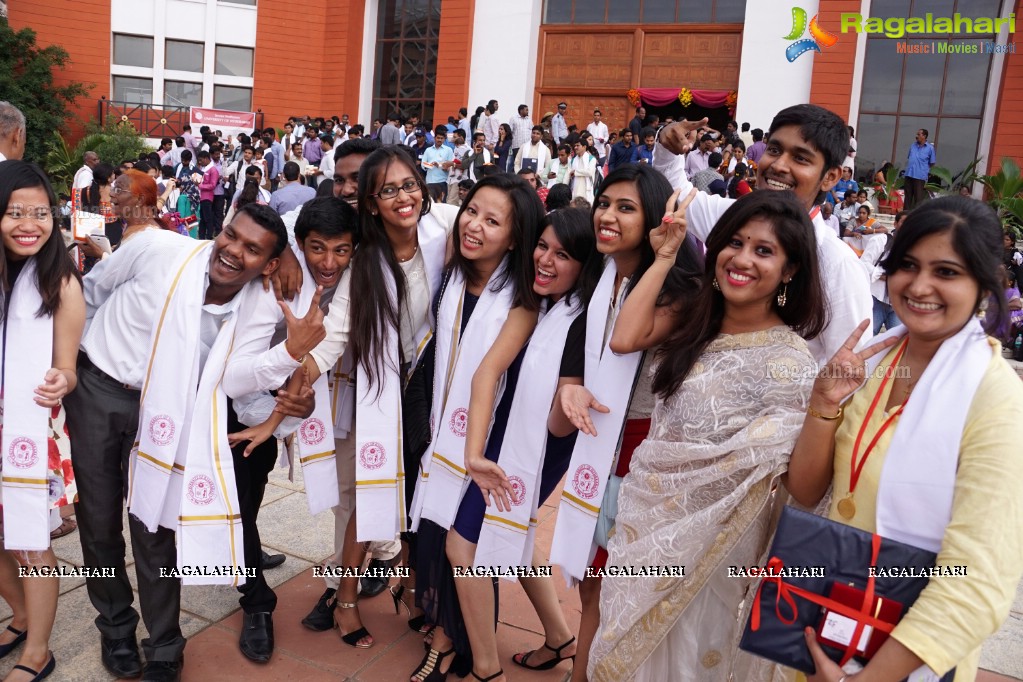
pixel 855 469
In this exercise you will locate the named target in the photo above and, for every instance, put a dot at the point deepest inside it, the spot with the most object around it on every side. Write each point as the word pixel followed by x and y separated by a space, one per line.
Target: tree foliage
pixel 26 81
pixel 114 142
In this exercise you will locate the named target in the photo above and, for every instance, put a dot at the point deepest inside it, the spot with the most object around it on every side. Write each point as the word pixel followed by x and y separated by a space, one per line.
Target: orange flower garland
pixel 633 97
pixel 685 96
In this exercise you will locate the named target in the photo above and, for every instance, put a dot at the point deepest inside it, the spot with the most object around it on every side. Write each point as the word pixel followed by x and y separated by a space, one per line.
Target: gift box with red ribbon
pixel 852 608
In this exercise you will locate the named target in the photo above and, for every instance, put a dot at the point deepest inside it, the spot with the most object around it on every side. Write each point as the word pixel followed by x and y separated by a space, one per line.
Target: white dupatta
pixel 182 470
pixel 914 494
pixel 609 377
pixel 28 354
pixel 443 479
pixel 379 463
pixel 506 538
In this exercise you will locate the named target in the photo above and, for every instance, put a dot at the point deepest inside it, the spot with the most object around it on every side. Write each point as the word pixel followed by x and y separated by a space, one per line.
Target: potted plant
pixel 889 201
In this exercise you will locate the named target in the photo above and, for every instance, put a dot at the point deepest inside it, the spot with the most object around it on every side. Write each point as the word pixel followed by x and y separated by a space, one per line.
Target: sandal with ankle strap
pixel 19 637
pixel 429 669
pixel 487 679
pixel 352 638
pixel 523 659
pixel 417 623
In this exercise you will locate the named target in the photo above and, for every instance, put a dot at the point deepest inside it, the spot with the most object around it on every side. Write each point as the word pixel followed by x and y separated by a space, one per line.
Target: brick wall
pixel 832 80
pixel 82 28
pixel 453 58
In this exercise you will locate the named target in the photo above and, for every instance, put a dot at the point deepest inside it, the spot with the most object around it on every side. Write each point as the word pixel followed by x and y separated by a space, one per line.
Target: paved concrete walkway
pixel 211 620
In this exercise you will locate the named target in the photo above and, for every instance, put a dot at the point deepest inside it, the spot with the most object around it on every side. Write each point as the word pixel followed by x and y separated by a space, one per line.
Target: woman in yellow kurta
pixel 927 450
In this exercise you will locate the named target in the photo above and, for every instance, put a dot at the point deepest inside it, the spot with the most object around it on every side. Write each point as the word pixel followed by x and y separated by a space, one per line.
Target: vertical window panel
pixel 133 50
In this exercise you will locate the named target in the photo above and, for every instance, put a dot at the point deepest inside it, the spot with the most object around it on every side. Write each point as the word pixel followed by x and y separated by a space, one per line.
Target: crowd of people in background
pixel 464 316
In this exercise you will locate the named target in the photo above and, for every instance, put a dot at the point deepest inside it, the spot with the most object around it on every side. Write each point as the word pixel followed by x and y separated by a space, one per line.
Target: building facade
pixel 431 57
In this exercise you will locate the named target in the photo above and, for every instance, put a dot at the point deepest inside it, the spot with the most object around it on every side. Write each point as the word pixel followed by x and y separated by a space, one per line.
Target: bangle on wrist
pixel 300 359
pixel 814 413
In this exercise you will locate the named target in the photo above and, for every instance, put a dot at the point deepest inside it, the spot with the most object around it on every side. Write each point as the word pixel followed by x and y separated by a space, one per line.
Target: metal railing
pixel 152 120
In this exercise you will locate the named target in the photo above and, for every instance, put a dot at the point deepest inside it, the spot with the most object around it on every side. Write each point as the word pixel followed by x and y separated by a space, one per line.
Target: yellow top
pixel 953 615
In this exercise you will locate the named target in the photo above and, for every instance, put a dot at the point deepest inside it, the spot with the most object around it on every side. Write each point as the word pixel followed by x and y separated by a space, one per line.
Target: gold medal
pixel 846 507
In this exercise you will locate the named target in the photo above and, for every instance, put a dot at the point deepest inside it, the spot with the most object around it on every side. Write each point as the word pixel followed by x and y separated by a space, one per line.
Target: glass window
pixel 658 11
pixel 133 50
pixel 979 8
pixel 233 61
pixel 695 11
pixel 560 12
pixel 588 12
pixel 956 143
pixel 132 90
pixel 905 135
pixel 938 8
pixel 882 69
pixel 184 56
pixel 232 98
pixel 726 11
pixel 181 94
pixel 883 9
pixel 406 56
pixel 874 136
pixel 622 12
pixel 967 74
pixel 921 84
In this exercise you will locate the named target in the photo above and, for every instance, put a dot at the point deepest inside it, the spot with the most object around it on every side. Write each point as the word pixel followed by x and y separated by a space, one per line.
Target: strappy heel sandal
pixel 352 638
pixel 429 668
pixel 523 659
pixel 487 679
pixel 417 624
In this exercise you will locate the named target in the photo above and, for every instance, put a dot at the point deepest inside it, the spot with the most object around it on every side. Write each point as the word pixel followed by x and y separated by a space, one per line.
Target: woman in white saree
pixel 732 385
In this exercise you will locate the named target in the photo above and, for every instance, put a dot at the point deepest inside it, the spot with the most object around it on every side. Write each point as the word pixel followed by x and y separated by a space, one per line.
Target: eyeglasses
pixel 115 190
pixel 390 191
pixel 39 215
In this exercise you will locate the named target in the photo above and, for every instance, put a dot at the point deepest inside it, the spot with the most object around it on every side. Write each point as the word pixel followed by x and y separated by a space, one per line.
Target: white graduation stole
pixel 506 538
pixel 379 459
pixel 444 479
pixel 609 377
pixel 28 354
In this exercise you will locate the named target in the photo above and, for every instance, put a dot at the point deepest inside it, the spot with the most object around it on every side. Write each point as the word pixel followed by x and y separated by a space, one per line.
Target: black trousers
pixel 250 475
pixel 206 221
pixel 915 193
pixel 103 418
pixel 219 211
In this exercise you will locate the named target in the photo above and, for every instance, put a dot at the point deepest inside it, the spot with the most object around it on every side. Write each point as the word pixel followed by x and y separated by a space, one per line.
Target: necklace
pixel 847 506
pixel 415 250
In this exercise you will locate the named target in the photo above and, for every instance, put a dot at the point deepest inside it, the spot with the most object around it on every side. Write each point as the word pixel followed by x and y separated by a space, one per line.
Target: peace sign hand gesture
pixel 666 239
pixel 846 371
pixel 304 333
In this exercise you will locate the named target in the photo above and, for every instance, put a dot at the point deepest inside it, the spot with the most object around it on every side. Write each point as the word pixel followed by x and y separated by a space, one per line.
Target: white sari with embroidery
pixel 701 492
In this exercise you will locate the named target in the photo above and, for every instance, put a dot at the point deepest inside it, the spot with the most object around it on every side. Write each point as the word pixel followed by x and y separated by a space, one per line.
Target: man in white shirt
pixel 521 126
pixel 830 219
pixel 598 129
pixel 456 174
pixel 12 133
pixel 83 177
pixel 289 139
pixel 491 124
pixel 559 128
pixel 534 154
pixel 698 159
pixel 809 168
pixel 464 122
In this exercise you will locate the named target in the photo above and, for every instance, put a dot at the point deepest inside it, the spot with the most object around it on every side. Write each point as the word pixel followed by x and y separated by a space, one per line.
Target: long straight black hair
pixel 374 311
pixel 806 311
pixel 53 265
pixel 574 229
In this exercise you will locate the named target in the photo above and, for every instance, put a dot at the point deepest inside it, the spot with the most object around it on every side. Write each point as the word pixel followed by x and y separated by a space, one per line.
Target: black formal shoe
pixel 372 585
pixel 257 638
pixel 269 561
pixel 121 657
pixel 321 618
pixel 163 671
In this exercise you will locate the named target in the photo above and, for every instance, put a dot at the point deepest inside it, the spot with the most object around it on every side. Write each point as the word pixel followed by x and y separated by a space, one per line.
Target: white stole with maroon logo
pixel 443 479
pixel 28 354
pixel 609 377
pixel 506 538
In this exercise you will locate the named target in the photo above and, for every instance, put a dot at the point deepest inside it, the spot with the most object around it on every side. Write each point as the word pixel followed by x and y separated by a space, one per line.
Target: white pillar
pixel 505 39
pixel 768 82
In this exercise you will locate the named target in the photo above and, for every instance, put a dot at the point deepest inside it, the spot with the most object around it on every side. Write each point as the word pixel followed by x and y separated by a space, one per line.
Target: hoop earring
pixel 714 283
pixel 783 295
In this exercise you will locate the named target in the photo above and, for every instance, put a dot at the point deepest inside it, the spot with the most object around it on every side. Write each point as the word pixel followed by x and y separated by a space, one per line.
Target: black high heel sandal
pixel 352 638
pixel 523 659
pixel 487 679
pixel 417 624
pixel 429 668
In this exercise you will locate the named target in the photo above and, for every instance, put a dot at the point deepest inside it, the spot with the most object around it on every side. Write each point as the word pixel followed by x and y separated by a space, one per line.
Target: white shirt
pixel 846 287
pixel 213 316
pixel 83 178
pixel 599 132
pixel 122 293
pixel 327 165
pixel 538 151
pixel 521 127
